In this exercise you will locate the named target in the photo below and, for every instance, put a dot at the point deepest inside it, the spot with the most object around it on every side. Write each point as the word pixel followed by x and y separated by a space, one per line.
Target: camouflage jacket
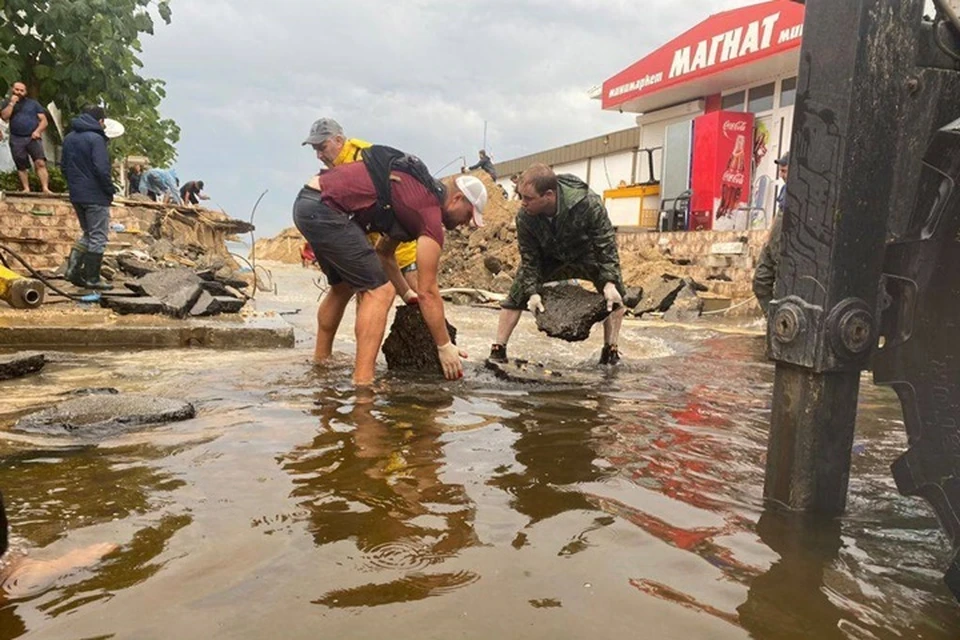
pixel 579 236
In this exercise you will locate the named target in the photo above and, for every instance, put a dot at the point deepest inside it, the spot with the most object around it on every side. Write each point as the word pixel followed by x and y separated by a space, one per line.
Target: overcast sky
pixel 246 79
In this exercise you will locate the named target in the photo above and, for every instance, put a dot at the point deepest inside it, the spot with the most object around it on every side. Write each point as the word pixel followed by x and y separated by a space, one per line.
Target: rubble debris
pixel 524 371
pixel 211 305
pixel 659 292
pixel 686 306
pixel 215 288
pixel 135 266
pixel 21 364
pixel 570 312
pixel 410 345
pixel 633 297
pixel 91 391
pixel 493 264
pixel 176 289
pixel 98 416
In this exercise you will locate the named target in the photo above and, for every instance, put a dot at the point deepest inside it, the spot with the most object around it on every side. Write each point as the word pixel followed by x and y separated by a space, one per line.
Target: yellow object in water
pixel 20 292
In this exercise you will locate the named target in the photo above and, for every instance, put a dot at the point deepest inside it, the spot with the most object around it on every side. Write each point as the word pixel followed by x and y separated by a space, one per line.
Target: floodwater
pixel 292 507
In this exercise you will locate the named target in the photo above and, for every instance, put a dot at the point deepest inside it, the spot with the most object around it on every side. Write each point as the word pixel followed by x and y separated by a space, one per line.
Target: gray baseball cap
pixel 322 130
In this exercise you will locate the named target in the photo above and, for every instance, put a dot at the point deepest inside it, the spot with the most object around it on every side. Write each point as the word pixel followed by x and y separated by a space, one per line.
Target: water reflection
pixel 371 476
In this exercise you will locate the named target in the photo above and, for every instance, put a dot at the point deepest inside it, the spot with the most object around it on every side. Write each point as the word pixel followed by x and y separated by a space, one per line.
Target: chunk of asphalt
pixel 21 364
pixel 570 312
pixel 410 345
pixel 99 416
pixel 128 306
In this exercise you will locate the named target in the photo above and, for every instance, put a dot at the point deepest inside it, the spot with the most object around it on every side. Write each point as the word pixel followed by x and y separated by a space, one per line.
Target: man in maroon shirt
pixel 333 212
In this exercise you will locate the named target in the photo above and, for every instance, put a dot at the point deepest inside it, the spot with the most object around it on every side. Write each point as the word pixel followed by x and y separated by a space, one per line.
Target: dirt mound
pixel 485 258
pixel 284 247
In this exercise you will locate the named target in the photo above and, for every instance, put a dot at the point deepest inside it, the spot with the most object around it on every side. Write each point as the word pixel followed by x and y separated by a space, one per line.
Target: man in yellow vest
pixel 335 149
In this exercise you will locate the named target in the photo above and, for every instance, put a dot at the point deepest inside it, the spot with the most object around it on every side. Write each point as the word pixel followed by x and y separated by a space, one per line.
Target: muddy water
pixel 629 506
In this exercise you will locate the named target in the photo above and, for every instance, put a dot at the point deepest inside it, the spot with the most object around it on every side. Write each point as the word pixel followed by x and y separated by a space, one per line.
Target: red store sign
pixel 721 42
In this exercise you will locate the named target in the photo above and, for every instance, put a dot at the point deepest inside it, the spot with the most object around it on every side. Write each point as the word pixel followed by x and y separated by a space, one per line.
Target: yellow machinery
pixel 20 292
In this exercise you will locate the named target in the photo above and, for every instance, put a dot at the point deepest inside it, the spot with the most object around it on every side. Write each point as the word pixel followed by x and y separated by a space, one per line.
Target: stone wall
pixel 43 230
pixel 724 261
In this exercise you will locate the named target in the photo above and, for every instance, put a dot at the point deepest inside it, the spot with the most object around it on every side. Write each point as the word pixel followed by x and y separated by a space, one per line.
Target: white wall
pixel 606 172
pixel 578 169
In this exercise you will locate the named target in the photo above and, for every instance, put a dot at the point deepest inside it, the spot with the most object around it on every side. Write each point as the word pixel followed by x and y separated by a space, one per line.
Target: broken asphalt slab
pixel 570 312
pixel 176 289
pixel 98 416
pixel 21 364
pixel 210 305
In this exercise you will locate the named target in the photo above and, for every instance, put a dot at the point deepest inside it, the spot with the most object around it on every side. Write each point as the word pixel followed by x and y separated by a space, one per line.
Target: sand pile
pixel 285 247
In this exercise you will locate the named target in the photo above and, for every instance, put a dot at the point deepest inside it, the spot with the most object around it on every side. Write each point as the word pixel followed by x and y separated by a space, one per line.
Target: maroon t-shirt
pixel 349 188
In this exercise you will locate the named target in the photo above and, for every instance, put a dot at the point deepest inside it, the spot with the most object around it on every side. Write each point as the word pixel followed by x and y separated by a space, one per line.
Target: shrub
pixel 10 181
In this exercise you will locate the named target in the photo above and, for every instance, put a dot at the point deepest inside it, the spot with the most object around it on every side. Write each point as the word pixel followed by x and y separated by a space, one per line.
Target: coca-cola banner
pixel 722 154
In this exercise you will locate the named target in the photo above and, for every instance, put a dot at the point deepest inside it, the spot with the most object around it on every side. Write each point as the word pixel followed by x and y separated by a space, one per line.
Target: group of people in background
pixel 88 171
pixel 374 209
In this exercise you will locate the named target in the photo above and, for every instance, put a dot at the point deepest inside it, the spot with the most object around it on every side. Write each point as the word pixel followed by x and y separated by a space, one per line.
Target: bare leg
pixel 611 326
pixel 412 279
pixel 24 180
pixel 509 318
pixel 329 315
pixel 44 176
pixel 373 307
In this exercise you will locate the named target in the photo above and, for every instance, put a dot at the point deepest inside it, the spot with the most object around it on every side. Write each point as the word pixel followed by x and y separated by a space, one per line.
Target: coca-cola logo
pixel 736 126
pixel 731 177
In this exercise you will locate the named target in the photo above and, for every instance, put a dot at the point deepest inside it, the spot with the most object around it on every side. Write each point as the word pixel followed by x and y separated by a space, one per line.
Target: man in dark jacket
pixel 765 276
pixel 564 232
pixel 86 167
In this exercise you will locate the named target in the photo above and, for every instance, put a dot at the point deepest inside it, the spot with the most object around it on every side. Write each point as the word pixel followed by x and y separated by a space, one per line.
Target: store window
pixel 734 101
pixel 788 92
pixel 760 98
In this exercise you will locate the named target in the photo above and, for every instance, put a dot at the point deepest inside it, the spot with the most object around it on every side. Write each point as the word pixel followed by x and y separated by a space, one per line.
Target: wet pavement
pixel 626 506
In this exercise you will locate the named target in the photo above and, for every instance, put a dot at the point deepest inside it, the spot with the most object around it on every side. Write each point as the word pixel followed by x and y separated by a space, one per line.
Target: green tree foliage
pixel 78 52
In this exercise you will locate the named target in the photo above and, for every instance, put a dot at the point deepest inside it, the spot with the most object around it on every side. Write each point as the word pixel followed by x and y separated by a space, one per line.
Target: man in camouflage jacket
pixel 564 232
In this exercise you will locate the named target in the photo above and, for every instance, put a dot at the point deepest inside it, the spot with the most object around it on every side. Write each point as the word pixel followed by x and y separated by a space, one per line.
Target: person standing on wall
pixel 87 169
pixel 28 121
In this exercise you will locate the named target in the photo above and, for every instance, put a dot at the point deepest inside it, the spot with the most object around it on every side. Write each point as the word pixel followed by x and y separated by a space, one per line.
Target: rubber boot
pixel 610 354
pixel 91 272
pixel 74 272
pixel 498 353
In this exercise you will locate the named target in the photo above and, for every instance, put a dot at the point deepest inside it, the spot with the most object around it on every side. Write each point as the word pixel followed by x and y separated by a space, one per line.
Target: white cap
pixel 112 128
pixel 476 194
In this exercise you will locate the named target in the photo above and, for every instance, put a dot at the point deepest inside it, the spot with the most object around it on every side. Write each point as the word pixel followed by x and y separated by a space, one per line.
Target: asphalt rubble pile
pixel 487 259
pixel 179 280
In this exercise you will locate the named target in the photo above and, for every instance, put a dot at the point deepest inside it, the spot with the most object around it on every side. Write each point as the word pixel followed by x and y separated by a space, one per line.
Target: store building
pixel 714 110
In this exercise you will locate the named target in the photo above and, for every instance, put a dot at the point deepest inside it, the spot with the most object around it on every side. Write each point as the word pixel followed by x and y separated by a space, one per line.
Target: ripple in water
pixel 401 555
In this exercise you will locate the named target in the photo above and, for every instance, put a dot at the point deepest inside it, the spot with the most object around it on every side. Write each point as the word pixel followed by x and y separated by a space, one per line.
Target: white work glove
pixel 410 297
pixel 535 304
pixel 612 296
pixel 450 357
